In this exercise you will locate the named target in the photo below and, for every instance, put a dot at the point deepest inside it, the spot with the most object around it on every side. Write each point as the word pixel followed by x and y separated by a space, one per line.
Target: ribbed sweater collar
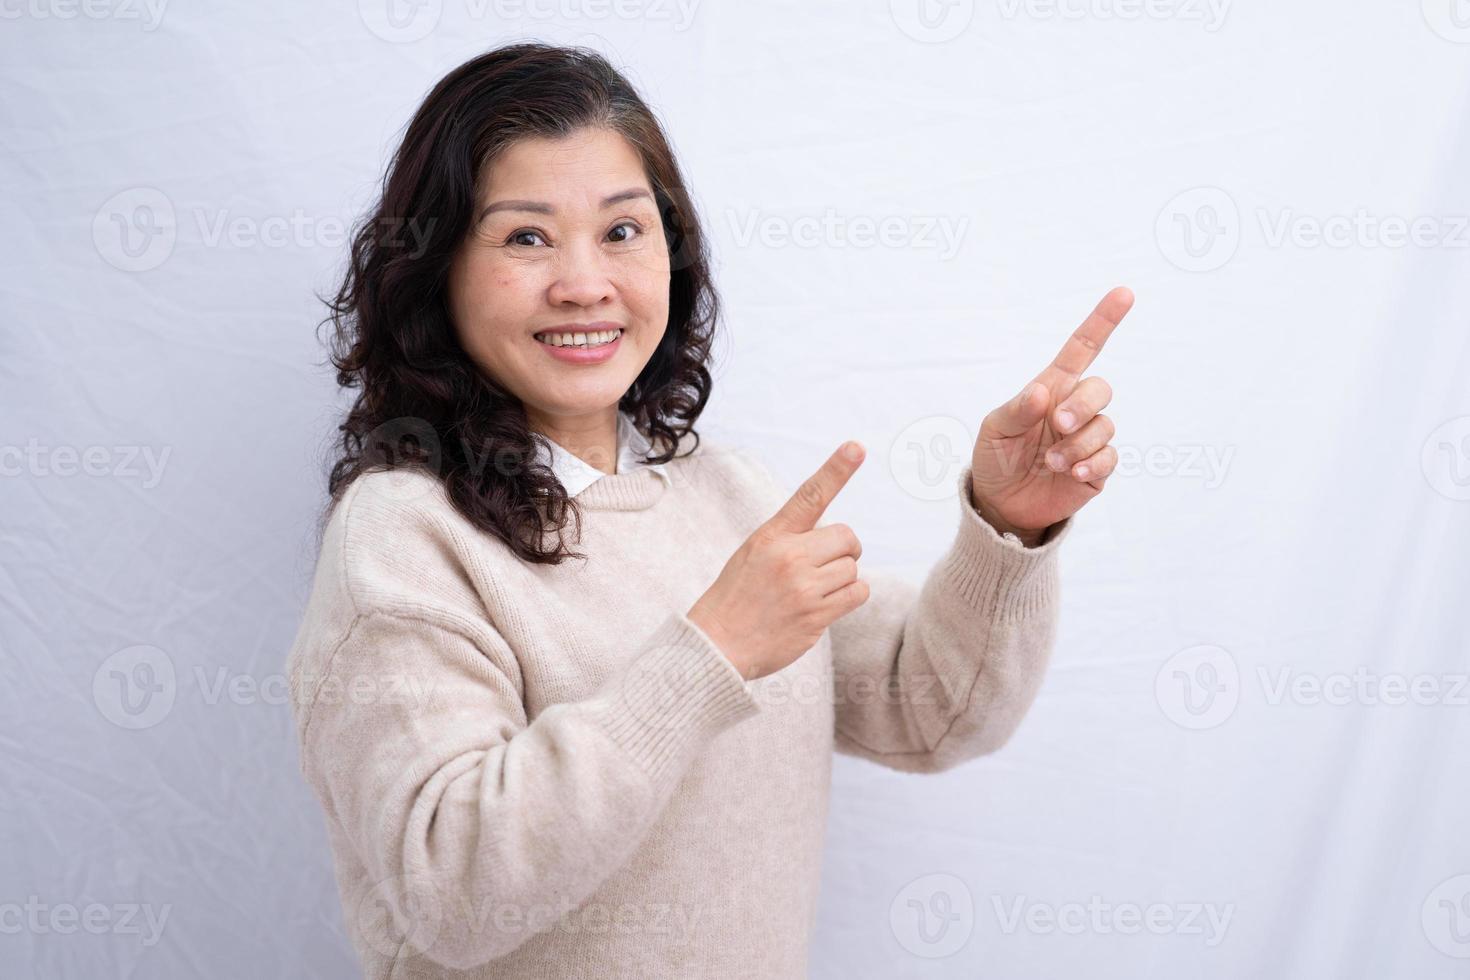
pixel 637 489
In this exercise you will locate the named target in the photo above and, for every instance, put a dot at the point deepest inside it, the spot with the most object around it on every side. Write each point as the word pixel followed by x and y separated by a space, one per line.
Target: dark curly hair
pixel 423 403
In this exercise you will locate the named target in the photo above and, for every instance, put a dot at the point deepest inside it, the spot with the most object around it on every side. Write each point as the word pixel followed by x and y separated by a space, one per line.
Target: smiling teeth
pixel 594 339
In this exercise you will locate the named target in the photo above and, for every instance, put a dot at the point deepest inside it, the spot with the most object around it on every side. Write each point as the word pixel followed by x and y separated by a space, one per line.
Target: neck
pixel 591 437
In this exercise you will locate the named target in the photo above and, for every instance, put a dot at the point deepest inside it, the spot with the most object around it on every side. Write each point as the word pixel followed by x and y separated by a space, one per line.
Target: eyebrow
pixel 539 207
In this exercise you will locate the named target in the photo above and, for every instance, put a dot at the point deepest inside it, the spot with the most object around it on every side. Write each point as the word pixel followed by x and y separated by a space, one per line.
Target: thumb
pixel 1018 415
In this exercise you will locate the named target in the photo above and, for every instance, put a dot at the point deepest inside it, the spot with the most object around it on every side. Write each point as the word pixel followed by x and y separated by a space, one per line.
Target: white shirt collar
pixel 576 475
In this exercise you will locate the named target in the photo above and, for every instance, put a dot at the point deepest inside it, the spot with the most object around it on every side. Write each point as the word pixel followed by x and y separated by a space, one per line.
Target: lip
pixel 575 355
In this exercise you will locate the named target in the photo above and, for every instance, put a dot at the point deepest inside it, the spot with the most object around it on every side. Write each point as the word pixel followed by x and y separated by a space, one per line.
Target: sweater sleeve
pixel 473 821
pixel 928 677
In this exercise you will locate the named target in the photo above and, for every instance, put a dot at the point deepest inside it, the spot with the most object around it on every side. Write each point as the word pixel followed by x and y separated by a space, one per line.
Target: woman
pixel 539 762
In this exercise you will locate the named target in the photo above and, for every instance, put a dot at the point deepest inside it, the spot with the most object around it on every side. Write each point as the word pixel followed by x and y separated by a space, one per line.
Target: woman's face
pixel 566 238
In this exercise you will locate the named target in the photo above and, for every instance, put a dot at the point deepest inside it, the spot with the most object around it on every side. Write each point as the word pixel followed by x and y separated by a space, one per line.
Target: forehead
pixel 578 169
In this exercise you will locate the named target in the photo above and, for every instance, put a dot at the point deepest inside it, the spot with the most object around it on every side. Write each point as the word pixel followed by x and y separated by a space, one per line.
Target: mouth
pixel 579 340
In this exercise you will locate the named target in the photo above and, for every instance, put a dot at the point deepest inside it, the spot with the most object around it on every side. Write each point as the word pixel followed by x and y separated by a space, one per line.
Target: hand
pixel 1045 453
pixel 789 581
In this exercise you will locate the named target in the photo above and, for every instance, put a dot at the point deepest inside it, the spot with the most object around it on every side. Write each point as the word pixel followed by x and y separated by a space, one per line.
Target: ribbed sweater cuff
pixel 679 692
pixel 997 575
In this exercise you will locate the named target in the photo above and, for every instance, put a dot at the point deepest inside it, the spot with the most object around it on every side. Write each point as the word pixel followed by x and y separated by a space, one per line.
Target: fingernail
pixel 852 451
pixel 1084 471
pixel 1066 420
pixel 1056 461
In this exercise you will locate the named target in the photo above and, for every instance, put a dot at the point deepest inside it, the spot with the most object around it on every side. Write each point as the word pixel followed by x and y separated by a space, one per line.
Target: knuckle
pixel 787 560
pixel 848 537
pixel 764 537
pixel 810 493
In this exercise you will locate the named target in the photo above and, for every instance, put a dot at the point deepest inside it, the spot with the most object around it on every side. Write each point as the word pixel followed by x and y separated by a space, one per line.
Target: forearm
pixel 454 802
pixel 955 663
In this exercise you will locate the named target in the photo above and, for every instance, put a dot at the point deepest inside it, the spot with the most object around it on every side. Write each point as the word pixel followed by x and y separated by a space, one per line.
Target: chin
pixel 585 401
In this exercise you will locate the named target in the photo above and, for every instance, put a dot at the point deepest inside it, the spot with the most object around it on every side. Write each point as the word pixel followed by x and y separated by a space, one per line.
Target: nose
pixel 581 277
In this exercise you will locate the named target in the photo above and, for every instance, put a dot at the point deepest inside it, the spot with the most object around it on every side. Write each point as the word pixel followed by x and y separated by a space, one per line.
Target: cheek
pixel 491 302
pixel 501 278
pixel 648 289
pixel 498 290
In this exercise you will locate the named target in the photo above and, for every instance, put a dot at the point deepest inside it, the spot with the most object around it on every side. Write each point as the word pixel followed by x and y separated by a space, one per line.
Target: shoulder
pixel 394 580
pixel 393 541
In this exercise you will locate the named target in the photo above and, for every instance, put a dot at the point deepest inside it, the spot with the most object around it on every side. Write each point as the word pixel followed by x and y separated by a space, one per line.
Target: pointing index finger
pixel 807 504
pixel 1082 347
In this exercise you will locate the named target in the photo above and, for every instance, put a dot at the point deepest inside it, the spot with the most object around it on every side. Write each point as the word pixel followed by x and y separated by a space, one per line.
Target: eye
pixel 636 230
pixel 516 236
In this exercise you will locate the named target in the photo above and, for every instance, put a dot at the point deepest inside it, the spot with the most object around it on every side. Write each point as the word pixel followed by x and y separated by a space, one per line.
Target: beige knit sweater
pixel 550 772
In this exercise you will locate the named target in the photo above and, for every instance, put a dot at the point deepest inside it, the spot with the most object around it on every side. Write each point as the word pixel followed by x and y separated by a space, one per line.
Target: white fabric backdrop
pixel 1249 756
